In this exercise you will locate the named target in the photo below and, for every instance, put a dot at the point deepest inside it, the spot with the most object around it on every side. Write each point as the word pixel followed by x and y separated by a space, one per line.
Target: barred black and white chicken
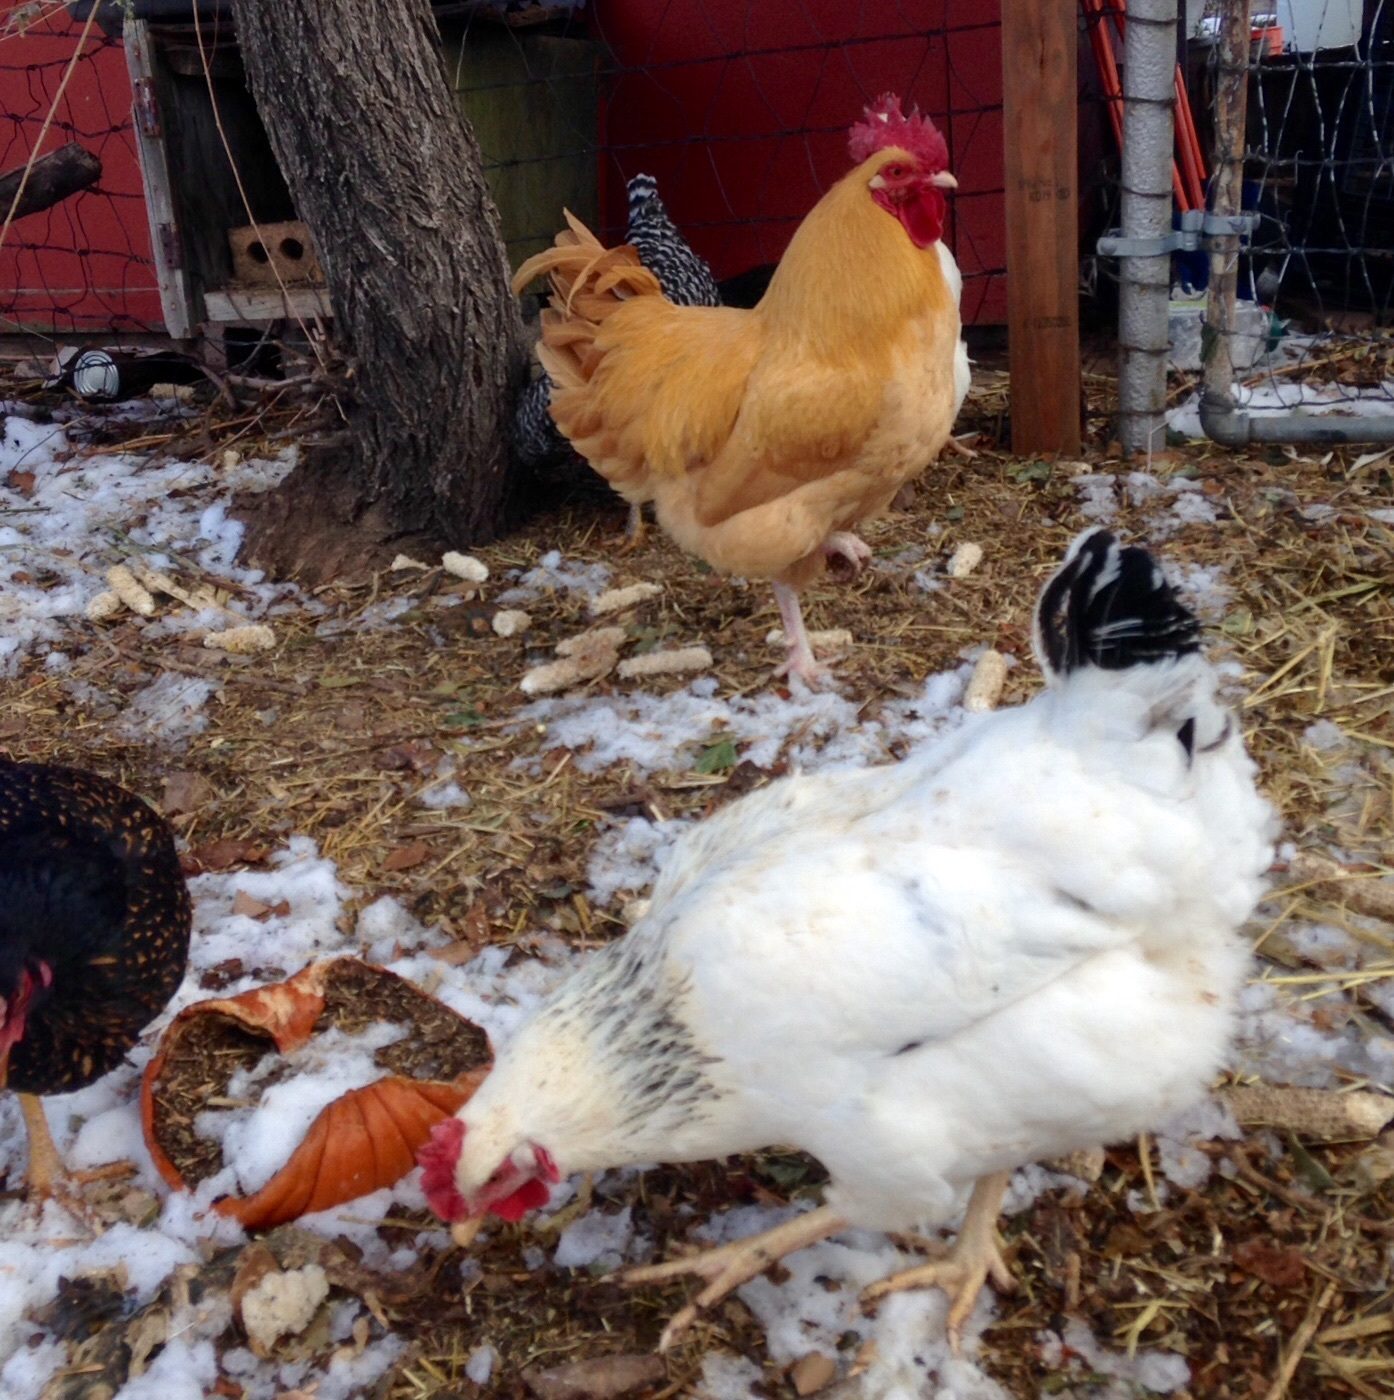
pixel 1017 943
pixel 94 935
pixel 686 281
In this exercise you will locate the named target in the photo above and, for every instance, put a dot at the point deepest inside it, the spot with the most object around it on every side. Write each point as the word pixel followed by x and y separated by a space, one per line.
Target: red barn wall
pixel 84 264
pixel 740 109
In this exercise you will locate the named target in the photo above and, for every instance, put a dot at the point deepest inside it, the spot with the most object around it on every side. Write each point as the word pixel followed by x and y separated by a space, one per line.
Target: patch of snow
pixel 168 710
pixel 553 574
pixel 1280 397
pixel 598 1239
pixel 85 512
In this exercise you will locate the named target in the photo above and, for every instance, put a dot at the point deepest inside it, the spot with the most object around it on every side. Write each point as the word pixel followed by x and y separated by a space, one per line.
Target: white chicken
pixel 1018 943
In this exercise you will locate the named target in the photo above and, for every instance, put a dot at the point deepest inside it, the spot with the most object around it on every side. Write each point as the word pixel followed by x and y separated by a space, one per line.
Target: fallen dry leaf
pixel 404 857
pixel 185 792
pixel 1280 1265
pixel 253 908
pixel 23 482
pixel 224 853
pixel 601 1378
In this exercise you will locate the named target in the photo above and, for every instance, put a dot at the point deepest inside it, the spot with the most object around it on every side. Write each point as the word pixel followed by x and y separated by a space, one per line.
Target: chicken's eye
pixel 895 171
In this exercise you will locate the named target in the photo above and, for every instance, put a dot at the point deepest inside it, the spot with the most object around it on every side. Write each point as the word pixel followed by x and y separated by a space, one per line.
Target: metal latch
pixel 1199 229
pixel 146 109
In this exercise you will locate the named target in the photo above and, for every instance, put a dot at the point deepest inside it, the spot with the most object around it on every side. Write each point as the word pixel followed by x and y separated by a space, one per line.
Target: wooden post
pixel 1040 135
pixel 176 296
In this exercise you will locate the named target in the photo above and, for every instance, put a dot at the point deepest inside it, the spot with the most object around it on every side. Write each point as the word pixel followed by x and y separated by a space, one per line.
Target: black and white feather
pixel 1110 606
pixel 686 281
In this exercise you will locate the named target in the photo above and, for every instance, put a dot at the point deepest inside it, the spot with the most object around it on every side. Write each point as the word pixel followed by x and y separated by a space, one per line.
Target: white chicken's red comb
pixel 884 124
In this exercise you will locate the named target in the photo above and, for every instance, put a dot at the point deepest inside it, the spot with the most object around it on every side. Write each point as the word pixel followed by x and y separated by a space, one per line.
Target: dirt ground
pixel 1281 1270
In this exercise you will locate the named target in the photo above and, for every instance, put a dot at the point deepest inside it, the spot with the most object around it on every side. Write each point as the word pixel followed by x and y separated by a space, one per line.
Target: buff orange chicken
pixel 763 437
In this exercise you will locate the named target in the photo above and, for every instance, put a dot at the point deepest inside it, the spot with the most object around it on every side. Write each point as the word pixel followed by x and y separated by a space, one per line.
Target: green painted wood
pixel 533 102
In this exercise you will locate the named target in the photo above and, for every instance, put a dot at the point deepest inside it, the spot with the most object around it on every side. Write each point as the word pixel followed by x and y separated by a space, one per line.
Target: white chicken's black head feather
pixel 1110 606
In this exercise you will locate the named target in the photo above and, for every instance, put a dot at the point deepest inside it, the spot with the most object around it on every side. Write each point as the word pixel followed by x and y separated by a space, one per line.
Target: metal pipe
pixel 1149 67
pixel 1230 426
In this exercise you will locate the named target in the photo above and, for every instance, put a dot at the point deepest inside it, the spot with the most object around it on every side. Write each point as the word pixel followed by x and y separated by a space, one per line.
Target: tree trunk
pixel 387 174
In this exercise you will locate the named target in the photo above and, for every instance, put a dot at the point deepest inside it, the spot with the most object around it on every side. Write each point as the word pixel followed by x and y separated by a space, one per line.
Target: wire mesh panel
pixel 84 263
pixel 1310 330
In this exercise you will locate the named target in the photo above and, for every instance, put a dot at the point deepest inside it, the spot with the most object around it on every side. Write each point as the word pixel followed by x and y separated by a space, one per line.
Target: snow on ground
pixel 67 517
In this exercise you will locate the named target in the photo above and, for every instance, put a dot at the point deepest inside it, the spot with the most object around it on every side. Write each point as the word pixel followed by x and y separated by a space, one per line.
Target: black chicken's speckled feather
pixel 90 884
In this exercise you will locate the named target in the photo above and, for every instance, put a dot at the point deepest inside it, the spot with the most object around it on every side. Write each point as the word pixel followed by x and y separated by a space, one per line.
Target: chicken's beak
pixel 464 1231
pixel 944 180
pixel 877 182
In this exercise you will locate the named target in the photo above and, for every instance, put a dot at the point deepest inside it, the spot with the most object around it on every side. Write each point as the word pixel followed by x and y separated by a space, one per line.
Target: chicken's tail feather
pixel 586 277
pixel 588 283
pixel 1110 606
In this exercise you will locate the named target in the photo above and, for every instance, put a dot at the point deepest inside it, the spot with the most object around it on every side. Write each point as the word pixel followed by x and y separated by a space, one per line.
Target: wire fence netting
pixel 1316 280
pixel 83 264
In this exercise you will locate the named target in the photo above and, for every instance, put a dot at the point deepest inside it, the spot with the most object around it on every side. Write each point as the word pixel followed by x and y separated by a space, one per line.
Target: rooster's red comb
pixel 884 124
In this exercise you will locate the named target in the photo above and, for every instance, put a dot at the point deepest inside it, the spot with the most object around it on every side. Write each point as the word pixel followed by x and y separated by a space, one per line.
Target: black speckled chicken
pixel 94 935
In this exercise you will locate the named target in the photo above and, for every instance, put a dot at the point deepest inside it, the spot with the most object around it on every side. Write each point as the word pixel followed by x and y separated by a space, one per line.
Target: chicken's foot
pixel 961 448
pixel 973 1259
pixel 727 1267
pixel 46 1168
pixel 843 544
pixel 800 662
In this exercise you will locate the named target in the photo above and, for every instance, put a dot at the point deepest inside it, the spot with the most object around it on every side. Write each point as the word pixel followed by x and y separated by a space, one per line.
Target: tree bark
pixel 388 176
pixel 51 178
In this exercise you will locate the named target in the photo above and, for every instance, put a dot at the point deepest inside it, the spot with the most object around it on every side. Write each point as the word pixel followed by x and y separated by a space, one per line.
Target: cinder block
pixel 260 251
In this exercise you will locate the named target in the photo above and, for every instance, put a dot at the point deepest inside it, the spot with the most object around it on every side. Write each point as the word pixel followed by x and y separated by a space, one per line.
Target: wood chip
pixel 465 566
pixel 589 643
pixel 662 663
pixel 1353 890
pixel 618 598
pixel 104 605
pixel 241 641
pixel 985 684
pixel 511 622
pixel 811 1372
pixel 964 560
pixel 1319 1114
pixel 133 594
pixel 405 561
pixel 831 639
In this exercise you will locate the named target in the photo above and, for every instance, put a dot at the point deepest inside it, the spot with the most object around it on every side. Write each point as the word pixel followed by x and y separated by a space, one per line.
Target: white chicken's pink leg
pixel 731 1265
pixel 973 1259
pixel 800 661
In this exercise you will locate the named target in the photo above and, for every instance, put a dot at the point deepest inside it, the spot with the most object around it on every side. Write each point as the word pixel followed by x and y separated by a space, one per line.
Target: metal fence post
pixel 1149 66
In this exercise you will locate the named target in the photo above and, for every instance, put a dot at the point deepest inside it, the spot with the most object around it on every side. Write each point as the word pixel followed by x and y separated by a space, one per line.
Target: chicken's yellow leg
pixel 731 1265
pixel 45 1165
pixel 973 1259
